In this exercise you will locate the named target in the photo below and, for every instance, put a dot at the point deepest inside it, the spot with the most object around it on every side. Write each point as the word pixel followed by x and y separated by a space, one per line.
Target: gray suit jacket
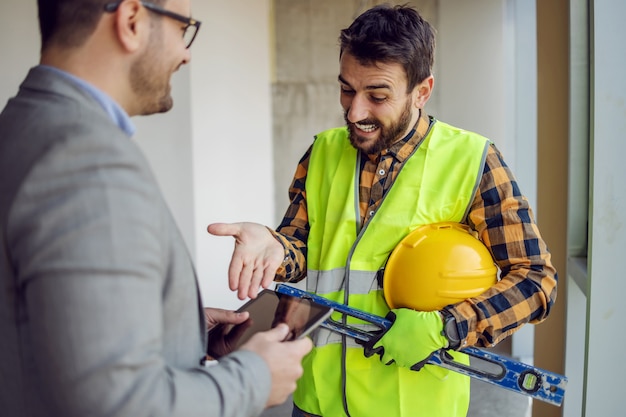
pixel 100 312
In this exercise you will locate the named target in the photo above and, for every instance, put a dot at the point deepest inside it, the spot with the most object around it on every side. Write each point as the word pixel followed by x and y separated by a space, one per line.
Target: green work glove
pixel 411 340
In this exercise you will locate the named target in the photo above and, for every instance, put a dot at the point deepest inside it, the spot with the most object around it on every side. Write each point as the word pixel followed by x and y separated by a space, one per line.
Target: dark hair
pixel 69 23
pixel 392 34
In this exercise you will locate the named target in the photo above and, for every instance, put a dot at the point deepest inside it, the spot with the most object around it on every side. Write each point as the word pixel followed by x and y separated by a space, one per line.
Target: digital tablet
pixel 267 310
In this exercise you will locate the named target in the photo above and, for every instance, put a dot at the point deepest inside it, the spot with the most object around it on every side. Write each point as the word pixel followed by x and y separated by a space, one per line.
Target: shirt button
pixel 381 172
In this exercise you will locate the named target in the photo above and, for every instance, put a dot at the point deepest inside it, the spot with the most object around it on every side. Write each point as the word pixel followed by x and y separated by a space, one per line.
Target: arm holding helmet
pixel 526 290
pixel 433 266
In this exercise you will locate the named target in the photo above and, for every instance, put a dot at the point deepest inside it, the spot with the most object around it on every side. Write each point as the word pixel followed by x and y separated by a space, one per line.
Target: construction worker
pixel 357 192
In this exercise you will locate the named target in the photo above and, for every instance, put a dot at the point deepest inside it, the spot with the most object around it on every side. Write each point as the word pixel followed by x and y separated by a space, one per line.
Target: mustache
pixel 366 122
pixel 362 122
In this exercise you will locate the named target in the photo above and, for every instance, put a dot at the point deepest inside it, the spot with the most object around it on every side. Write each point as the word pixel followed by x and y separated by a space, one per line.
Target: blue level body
pixel 488 367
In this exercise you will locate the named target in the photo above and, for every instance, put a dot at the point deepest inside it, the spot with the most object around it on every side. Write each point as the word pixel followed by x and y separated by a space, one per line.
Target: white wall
pixel 212 154
pixel 486 80
pixel 471 82
pixel 19 44
pixel 166 141
pixel 231 131
pixel 604 367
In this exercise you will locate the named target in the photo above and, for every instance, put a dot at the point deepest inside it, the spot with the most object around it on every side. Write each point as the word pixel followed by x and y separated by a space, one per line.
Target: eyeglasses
pixel 189 32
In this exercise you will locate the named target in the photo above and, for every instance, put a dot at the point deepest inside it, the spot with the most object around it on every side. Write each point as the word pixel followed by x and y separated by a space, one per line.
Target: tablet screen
pixel 268 310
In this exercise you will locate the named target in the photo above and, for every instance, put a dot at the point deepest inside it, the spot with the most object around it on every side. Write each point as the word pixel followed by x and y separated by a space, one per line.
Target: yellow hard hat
pixel 436 265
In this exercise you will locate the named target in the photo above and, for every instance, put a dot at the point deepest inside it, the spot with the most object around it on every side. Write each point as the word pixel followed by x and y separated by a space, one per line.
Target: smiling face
pixel 377 108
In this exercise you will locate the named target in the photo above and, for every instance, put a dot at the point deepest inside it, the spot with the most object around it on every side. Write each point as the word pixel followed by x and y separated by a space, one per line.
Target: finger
pixel 224 229
pixel 215 316
pixel 234 273
pixel 211 316
pixel 268 277
pixel 238 331
pixel 245 276
pixel 306 344
pixel 278 333
pixel 241 316
pixel 301 346
pixel 255 282
pixel 253 291
pixel 218 315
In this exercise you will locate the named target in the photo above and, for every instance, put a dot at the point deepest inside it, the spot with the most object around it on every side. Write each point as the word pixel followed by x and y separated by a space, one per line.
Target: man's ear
pixel 422 91
pixel 131 25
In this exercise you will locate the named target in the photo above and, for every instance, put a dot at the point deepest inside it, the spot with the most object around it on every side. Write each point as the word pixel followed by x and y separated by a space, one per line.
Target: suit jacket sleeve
pixel 91 239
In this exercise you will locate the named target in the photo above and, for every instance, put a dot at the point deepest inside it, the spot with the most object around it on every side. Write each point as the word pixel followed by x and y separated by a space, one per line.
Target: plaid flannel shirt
pixel 499 213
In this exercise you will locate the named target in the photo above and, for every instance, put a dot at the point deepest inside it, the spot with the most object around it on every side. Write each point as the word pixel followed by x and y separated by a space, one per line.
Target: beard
pixel 388 134
pixel 150 81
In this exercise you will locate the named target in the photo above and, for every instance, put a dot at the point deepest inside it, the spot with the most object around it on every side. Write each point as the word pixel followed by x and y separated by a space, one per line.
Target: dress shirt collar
pixel 114 110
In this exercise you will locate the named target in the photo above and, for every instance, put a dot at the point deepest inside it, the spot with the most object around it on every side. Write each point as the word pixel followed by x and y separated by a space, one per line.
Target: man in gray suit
pixel 100 312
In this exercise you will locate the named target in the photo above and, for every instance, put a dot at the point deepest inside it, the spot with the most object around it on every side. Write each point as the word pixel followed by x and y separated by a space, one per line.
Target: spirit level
pixel 488 367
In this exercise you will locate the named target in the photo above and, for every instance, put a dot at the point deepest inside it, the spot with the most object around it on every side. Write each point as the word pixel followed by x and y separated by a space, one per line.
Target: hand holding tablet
pixel 267 311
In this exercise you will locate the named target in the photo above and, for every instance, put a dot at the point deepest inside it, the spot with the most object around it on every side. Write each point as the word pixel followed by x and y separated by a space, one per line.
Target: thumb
pixel 278 333
pixel 224 229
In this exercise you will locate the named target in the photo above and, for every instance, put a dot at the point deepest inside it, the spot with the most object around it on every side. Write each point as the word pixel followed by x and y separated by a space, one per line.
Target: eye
pixel 347 91
pixel 378 99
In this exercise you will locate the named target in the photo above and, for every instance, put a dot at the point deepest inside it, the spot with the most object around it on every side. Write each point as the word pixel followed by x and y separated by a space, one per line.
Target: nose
pixel 357 109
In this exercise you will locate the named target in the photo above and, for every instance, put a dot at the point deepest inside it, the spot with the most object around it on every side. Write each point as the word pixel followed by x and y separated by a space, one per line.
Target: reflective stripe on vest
pixel 437 183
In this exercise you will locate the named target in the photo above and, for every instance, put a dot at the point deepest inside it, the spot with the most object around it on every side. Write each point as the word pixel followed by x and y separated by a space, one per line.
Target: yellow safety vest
pixel 437 183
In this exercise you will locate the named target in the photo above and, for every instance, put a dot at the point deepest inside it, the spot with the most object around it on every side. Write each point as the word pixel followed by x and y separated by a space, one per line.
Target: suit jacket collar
pixel 51 79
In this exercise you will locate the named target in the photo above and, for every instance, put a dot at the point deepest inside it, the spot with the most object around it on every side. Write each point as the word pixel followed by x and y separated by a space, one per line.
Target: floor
pixel 491 401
